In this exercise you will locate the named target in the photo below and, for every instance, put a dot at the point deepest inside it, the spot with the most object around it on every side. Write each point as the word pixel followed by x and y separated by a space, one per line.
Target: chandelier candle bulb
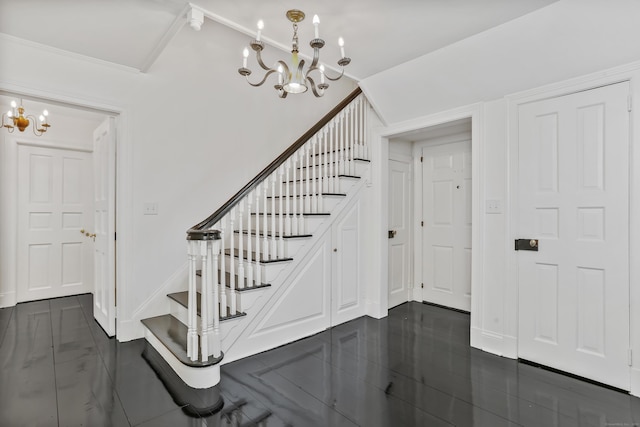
pixel 260 27
pixel 341 44
pixel 245 55
pixel 280 78
pixel 316 21
pixel 321 73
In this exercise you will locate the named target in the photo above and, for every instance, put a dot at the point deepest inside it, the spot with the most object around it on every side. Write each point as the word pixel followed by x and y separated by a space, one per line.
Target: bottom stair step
pixel 182 298
pixel 195 402
pixel 173 334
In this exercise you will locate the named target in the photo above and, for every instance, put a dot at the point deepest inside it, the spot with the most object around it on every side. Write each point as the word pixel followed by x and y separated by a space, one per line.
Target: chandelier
pixel 17 119
pixel 292 77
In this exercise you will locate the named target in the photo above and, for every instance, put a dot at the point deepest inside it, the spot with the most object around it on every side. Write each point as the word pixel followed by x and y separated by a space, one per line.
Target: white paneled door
pixel 399 231
pixel 54 205
pixel 573 180
pixel 104 296
pixel 446 238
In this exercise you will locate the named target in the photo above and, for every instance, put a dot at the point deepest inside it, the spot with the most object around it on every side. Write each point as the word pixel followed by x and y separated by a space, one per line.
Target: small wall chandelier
pixel 292 77
pixel 17 119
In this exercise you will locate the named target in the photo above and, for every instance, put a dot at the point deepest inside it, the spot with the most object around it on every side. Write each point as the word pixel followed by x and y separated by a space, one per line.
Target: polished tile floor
pixel 414 368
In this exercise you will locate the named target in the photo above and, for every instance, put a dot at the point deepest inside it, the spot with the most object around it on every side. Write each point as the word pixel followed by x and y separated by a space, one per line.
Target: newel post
pixel 203 248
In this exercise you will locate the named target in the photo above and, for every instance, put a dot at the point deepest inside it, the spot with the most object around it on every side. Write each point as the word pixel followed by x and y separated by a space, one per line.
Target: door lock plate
pixel 526 245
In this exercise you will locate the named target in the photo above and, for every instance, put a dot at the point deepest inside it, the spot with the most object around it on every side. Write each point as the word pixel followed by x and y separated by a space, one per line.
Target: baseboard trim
pixel 570 375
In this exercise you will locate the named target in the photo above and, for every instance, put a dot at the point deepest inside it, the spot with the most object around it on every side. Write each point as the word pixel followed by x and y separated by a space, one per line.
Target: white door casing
pixel 446 236
pixel 400 251
pixel 573 180
pixel 104 297
pixel 54 203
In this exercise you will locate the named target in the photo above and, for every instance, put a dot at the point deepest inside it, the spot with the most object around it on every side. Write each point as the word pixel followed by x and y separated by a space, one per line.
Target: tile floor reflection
pixel 414 368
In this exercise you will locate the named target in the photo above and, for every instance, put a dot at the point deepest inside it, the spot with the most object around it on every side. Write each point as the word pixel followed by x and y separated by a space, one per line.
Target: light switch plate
pixel 150 208
pixel 493 206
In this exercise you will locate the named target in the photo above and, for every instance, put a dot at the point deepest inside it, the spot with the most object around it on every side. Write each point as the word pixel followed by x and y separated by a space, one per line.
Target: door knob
pixel 82 230
pixel 392 234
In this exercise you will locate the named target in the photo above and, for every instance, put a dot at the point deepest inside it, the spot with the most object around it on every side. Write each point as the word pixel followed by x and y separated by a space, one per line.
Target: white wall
pixel 192 130
pixel 566 39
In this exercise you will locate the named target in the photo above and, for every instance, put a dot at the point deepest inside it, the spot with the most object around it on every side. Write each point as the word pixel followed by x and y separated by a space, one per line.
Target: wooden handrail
pixel 217 215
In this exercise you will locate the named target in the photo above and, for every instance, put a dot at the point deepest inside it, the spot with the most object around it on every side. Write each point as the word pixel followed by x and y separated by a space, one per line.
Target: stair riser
pixel 310 204
pixel 300 225
pixel 290 246
pixel 328 185
pixel 269 271
pixel 181 312
pixel 358 168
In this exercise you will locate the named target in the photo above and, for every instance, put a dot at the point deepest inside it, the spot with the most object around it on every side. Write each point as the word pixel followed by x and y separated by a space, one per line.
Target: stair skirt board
pixel 194 373
pixel 196 402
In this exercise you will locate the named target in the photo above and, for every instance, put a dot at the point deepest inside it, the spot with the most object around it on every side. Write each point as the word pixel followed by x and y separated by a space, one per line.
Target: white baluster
pixel 360 127
pixel 352 138
pixel 301 230
pixel 223 267
pixel 205 294
pixel 308 197
pixel 366 129
pixel 287 218
pixel 294 219
pixel 315 176
pixel 249 269
pixel 342 143
pixel 241 252
pixel 281 219
pixel 258 276
pixel 232 265
pixel 265 224
pixel 332 158
pixel 273 216
pixel 192 332
pixel 322 161
pixel 215 349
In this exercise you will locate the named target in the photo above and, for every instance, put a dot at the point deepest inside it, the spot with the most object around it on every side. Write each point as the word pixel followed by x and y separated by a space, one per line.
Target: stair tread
pixel 291 214
pixel 357 159
pixel 173 334
pixel 324 177
pixel 253 257
pixel 247 286
pixel 182 298
pixel 276 235
pixel 307 195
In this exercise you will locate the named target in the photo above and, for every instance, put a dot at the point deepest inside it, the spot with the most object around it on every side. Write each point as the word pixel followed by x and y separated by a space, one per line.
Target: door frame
pixel 630 73
pixel 378 303
pixel 409 160
pixel 123 197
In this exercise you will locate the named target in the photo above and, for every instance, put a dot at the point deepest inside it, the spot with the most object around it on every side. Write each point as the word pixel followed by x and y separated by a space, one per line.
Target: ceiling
pixel 378 34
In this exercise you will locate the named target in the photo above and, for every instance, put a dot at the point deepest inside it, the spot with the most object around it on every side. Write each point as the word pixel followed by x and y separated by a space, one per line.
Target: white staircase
pixel 247 257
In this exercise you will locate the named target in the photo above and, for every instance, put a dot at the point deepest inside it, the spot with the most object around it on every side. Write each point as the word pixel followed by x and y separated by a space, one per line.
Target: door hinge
pixel 421 223
pixel 630 357
pixel 421 159
pixel 629 103
pixel 421 285
pixel 115 236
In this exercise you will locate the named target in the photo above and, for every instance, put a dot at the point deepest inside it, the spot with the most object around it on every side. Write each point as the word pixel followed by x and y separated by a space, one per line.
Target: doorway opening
pixel 48 191
pixel 430 190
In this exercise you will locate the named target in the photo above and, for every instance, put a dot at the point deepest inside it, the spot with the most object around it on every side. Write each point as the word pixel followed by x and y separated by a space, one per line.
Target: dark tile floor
pixel 414 368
